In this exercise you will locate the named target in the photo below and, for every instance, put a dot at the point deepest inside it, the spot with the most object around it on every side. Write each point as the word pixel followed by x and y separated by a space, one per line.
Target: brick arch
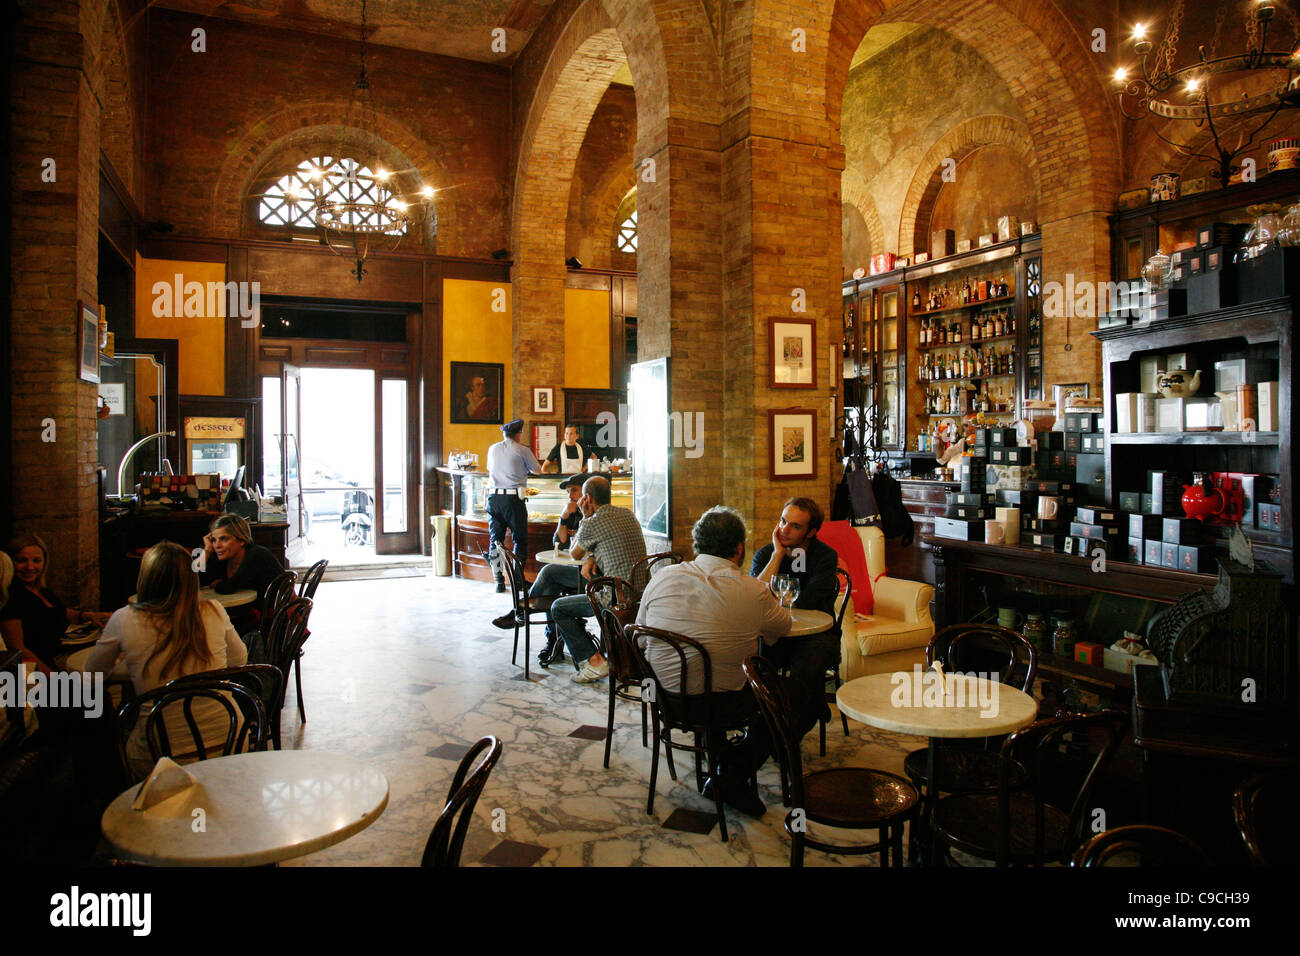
pixel 1071 121
pixel 609 199
pixel 958 143
pixel 273 137
pixel 854 191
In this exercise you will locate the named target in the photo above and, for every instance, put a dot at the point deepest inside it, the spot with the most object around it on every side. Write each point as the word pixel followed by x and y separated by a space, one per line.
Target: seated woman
pixel 33 619
pixel 235 563
pixel 167 633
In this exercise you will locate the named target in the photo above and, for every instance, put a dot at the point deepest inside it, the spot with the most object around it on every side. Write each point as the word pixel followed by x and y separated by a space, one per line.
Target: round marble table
pixel 257 808
pixel 911 703
pixel 557 557
pixel 809 622
pixel 233 599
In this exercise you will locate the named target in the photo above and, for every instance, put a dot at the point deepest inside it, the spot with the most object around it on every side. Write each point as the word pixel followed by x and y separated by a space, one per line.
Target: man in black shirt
pixel 795 551
pixel 556 578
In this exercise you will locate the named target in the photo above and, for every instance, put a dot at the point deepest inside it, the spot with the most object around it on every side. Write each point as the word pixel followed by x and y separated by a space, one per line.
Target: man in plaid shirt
pixel 609 543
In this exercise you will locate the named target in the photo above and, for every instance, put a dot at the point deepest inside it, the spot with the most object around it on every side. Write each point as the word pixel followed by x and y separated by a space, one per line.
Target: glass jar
pixel 1063 634
pixel 1288 233
pixel 1035 630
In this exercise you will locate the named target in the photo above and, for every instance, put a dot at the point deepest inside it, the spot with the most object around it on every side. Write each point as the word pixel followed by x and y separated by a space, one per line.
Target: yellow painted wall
pixel 202 338
pixel 473 332
pixel 586 339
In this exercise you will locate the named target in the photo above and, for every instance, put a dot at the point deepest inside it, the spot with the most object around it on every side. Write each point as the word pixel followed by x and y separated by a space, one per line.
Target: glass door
pixel 290 452
pixel 889 392
pixel 395 479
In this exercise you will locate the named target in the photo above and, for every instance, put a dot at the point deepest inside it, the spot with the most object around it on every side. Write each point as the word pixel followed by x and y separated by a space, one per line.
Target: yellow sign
pixel 214 427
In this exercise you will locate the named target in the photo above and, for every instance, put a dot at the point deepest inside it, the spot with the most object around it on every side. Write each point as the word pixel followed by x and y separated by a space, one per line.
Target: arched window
pixel 626 240
pixel 288 201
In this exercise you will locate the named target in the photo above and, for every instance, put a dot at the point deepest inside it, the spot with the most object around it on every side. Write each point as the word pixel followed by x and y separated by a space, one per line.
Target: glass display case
pixel 546 504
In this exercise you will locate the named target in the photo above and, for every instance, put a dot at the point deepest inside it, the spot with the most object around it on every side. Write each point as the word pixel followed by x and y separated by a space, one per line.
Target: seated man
pixel 712 601
pixel 556 578
pixel 795 551
pixel 609 543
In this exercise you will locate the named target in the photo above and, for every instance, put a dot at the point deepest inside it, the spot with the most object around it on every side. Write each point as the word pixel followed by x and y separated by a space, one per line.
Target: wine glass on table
pixel 779 586
pixel 792 593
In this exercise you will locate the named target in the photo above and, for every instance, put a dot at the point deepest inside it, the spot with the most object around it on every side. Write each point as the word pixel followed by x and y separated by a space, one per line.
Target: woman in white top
pixel 164 634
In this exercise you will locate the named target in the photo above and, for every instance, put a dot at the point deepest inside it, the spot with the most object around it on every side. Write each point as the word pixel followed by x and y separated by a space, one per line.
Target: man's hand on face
pixel 778 548
pixel 587 504
pixel 569 508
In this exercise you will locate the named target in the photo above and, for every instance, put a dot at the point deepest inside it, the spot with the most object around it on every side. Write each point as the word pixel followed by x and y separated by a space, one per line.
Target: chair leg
pixel 883 837
pixel 898 843
pixel 297 680
pixel 514 654
pixel 672 769
pixel 654 768
pixel 699 765
pixel 609 723
pixel 643 724
pixel 528 653
pixel 796 849
pixel 715 770
pixel 821 737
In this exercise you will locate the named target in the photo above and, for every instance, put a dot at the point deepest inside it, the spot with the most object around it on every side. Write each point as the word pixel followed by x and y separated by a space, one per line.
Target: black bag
pixel 895 520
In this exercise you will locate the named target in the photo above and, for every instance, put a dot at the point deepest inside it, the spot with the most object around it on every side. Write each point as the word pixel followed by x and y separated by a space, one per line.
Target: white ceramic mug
pixel 1048 507
pixel 994 532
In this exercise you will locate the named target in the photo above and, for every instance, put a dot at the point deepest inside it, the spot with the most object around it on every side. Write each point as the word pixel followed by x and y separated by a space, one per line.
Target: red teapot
pixel 1203 499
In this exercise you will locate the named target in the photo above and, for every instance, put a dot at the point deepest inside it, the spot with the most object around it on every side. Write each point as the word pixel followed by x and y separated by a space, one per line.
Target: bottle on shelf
pixel 976 333
pixel 916 299
pixel 955 338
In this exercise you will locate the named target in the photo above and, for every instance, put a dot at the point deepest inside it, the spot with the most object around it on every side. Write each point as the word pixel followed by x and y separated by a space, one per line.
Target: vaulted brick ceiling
pixel 459 28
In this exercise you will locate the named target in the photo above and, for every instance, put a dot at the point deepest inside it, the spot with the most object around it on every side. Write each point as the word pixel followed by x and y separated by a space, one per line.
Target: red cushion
pixel 841 536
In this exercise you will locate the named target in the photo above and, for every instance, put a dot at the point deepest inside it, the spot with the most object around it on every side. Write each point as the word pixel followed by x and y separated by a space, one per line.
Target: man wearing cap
pixel 556 578
pixel 509 463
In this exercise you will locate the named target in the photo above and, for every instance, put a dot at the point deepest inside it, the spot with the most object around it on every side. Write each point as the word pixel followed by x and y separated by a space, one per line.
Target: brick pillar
pixel 55 262
pixel 1077 245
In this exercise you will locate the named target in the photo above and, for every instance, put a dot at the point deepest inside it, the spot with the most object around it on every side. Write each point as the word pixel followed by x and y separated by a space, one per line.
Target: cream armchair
pixel 895 635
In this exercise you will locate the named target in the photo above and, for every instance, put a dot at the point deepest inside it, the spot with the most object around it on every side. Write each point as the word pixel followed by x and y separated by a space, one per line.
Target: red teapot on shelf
pixel 1203 499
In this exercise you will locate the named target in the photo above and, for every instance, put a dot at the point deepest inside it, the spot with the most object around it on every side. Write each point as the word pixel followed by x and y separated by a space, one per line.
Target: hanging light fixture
pixel 356 205
pixel 1268 81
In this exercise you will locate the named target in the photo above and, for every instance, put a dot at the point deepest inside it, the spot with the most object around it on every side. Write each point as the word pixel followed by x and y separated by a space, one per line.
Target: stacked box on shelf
pixel 1164 494
pixel 1143 528
pixel 1095 527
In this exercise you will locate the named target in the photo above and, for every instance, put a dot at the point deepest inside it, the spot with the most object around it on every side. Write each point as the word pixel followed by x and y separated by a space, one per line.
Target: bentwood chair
pixel 1264 807
pixel 448 836
pixel 1019 827
pixel 974 648
pixel 844 597
pixel 283 645
pixel 1140 845
pixel 526 607
pixel 311 579
pixel 263 680
pixel 278 593
pixel 172 714
pixel 689 713
pixel 851 798
pixel 615 604
pixel 644 569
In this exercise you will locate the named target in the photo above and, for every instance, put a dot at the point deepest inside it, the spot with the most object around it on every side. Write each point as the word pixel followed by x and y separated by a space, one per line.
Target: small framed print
pixel 87 343
pixel 793 437
pixel 792 353
pixel 546 435
pixel 543 401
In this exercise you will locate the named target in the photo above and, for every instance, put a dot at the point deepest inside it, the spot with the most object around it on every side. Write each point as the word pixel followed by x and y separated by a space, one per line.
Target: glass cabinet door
pixel 1033 285
pixel 888 355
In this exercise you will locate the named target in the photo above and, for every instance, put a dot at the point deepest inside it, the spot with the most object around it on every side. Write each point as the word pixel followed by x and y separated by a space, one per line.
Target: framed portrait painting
pixel 477 393
pixel 87 343
pixel 793 443
pixel 792 353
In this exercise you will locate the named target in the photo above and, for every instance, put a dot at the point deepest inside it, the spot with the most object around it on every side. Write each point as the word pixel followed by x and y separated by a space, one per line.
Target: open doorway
pixel 343 442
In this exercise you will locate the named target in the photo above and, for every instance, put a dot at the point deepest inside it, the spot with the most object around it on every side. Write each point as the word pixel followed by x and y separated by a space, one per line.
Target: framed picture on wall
pixel 546 435
pixel 543 401
pixel 87 343
pixel 792 353
pixel 1068 392
pixel 477 393
pixel 793 443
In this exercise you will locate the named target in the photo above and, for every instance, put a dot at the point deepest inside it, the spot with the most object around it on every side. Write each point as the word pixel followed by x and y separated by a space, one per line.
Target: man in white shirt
pixel 712 601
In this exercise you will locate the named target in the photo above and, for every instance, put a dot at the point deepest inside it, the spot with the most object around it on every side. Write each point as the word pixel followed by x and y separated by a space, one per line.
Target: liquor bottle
pixel 997 324
pixel 916 300
pixel 955 338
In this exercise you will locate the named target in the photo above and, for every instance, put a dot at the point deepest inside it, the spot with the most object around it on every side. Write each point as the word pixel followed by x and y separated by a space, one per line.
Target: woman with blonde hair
pixel 33 619
pixel 235 563
pixel 165 633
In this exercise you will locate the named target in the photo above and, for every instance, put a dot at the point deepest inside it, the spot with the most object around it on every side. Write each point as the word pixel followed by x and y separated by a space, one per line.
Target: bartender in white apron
pixel 567 457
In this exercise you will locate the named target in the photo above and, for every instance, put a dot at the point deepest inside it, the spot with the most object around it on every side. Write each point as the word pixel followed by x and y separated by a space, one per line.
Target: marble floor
pixel 406 673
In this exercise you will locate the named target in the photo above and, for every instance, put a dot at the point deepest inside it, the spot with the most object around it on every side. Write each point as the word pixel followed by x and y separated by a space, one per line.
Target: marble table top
pixel 557 557
pixel 233 599
pixel 913 702
pixel 809 622
pixel 257 808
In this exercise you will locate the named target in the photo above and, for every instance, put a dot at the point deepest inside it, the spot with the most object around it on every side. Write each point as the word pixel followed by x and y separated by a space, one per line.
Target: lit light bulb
pixel 382 175
pixel 1140 31
pixel 1193 85
pixel 399 205
pixel 1121 75
pixel 427 192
